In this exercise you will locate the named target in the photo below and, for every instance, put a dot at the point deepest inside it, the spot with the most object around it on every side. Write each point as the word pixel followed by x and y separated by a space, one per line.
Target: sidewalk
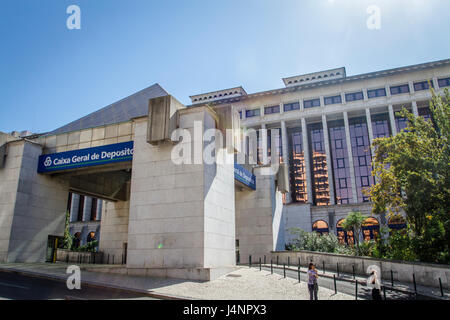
pixel 402 287
pixel 243 284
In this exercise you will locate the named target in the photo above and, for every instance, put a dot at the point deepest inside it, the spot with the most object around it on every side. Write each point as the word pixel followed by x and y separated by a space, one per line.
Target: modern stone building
pixel 174 214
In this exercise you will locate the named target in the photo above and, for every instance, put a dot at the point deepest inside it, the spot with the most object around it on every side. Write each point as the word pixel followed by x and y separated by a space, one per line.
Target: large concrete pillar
pixel 285 148
pixel 392 120
pixel 182 215
pixel 32 206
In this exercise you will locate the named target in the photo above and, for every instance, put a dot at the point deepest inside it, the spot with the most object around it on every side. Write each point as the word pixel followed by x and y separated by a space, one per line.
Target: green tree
pixel 412 176
pixel 354 222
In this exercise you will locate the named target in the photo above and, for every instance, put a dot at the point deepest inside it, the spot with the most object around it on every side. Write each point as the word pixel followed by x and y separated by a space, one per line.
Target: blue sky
pixel 50 75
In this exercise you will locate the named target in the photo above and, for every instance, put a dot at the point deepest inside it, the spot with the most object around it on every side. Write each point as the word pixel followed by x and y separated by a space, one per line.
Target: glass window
pixel 376 93
pixel 401 123
pixel 297 167
pixel 320 227
pixel 273 109
pixel 252 113
pixel 359 136
pixel 370 229
pixel 240 114
pixel 425 113
pixel 340 163
pixel 311 103
pixel 444 82
pixel 80 208
pixel 321 191
pixel 333 100
pixel 380 125
pixel 354 96
pixel 400 89
pixel 291 106
pixel 423 85
pixel 94 209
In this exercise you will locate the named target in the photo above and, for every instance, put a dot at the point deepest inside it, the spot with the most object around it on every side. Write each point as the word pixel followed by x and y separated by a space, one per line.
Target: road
pixel 342 286
pixel 19 287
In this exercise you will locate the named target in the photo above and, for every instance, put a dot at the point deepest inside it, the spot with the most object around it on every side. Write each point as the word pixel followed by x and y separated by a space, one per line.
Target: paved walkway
pixel 243 284
pixel 400 290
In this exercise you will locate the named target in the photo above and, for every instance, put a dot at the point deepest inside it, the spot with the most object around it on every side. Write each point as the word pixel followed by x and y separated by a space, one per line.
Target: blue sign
pixel 86 157
pixel 244 176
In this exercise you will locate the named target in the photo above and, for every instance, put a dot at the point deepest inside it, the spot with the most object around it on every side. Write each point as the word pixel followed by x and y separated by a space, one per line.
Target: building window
pixel 240 114
pixel 291 106
pixel 320 227
pixel 349 97
pixel 321 191
pixel 297 170
pixel 252 113
pixel 333 100
pixel 376 93
pixel 380 125
pixel 80 208
pixel 76 240
pixel 423 85
pixel 425 113
pixel 444 82
pixel 339 157
pixel 359 136
pixel 344 236
pixel 90 237
pixel 94 209
pixel 273 109
pixel 400 89
pixel 370 229
pixel 401 123
pixel 397 222
pixel 311 103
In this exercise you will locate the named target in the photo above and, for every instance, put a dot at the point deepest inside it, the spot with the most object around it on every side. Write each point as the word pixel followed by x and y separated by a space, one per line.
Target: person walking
pixel 313 275
pixel 376 288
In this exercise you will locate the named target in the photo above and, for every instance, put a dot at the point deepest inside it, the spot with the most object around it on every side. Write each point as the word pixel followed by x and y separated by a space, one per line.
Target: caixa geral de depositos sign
pixel 86 157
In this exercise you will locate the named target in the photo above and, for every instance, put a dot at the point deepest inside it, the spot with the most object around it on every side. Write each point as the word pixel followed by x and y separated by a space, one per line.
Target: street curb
pixel 94 284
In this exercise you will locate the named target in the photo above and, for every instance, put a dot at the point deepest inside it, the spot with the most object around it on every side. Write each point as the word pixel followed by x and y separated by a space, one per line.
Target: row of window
pixel 349 97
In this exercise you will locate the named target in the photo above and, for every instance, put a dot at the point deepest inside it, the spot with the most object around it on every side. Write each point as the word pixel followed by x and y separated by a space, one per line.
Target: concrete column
pixel 411 87
pixel 285 147
pixel 343 101
pixel 369 125
pixel 414 108
pixel 392 120
pixel 74 207
pixel 307 161
pixel 87 209
pixel 435 83
pixel 302 107
pixel 329 161
pixel 322 101
pixel 365 95
pixel 350 158
pixel 243 114
pixel 281 108
pixel 99 209
pixel 388 91
pixel 265 159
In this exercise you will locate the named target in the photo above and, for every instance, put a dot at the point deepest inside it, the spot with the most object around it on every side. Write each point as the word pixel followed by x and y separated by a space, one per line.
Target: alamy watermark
pixel 74 280
pixel 74 20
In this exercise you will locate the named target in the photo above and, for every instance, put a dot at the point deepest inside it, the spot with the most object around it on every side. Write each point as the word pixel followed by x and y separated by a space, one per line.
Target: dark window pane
pixel 252 113
pixel 400 89
pixel 273 109
pixel 354 96
pixel 376 93
pixel 319 167
pixel 292 106
pixel 297 167
pixel 444 82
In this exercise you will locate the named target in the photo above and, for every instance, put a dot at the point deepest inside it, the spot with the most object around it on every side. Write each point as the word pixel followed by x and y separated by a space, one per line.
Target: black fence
pixel 390 285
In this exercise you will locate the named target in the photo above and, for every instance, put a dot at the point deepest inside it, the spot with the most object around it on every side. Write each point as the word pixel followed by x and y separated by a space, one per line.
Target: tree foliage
pixel 411 171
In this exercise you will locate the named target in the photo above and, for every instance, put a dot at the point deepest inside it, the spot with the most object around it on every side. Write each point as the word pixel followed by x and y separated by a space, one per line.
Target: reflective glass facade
pixel 359 136
pixel 380 125
pixel 400 123
pixel 297 167
pixel 341 166
pixel 425 113
pixel 319 167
